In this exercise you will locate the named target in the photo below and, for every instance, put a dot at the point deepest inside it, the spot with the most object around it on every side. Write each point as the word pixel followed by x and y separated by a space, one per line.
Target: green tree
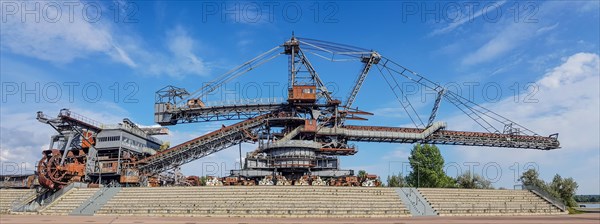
pixel 396 181
pixel 565 189
pixel 531 178
pixel 583 198
pixel 362 174
pixel 203 180
pixel 427 168
pixel 586 198
pixel 473 181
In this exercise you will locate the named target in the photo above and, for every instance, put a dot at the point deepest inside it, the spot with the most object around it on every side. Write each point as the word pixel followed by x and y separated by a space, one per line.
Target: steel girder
pixel 220 113
pixel 446 137
pixel 202 146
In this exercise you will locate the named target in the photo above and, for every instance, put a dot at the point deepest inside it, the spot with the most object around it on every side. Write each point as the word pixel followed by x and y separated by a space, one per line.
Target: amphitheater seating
pixel 69 201
pixel 461 202
pixel 9 196
pixel 257 201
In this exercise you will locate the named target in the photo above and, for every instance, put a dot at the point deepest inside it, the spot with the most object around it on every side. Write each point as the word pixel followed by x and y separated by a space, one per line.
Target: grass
pixel 573 211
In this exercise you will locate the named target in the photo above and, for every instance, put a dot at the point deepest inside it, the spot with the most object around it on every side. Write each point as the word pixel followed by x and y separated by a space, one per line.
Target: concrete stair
pixel 9 196
pixel 257 201
pixel 484 202
pixel 69 201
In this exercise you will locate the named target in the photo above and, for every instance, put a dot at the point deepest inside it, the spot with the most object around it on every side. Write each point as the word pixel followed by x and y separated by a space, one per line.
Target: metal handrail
pixel 416 200
pixel 546 195
pixel 244 101
pixel 92 199
pixel 130 129
pixel 20 202
pixel 57 194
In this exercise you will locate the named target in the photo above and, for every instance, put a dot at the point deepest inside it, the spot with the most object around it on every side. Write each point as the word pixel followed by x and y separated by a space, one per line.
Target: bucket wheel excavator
pixel 299 139
pixel 303 136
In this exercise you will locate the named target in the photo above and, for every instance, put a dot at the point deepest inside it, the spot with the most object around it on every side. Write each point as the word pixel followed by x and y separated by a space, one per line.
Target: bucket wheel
pixel 54 169
pixel 51 174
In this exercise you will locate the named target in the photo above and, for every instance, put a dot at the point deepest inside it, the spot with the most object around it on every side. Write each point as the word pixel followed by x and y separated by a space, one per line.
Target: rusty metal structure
pixel 299 140
pixel 18 181
pixel 85 150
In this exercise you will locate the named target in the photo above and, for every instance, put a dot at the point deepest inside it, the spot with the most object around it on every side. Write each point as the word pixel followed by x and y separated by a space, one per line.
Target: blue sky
pixel 534 62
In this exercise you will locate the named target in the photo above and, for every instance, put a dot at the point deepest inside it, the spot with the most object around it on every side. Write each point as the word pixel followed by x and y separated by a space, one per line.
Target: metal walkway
pixel 239 132
pixel 203 146
pixel 437 135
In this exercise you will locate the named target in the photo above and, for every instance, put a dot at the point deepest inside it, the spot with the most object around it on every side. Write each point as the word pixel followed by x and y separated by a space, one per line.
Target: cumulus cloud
pixel 568 103
pixel 575 68
pixel 21 143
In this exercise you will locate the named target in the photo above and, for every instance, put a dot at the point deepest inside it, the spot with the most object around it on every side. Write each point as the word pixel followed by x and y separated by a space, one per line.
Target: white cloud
pixel 179 60
pixel 72 37
pixel 546 28
pixel 509 35
pixel 182 60
pixel 588 6
pixel 464 18
pixel 22 137
pixel 122 55
pixel 569 103
pixel 507 39
pixel 575 68
pixel 60 41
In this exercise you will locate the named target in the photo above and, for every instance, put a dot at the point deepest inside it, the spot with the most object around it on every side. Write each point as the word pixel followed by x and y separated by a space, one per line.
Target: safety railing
pixel 130 129
pixel 416 202
pixel 240 102
pixel 90 201
pixel 490 208
pixel 43 199
pixel 57 194
pixel 547 196
pixel 23 200
pixel 291 143
pixel 79 117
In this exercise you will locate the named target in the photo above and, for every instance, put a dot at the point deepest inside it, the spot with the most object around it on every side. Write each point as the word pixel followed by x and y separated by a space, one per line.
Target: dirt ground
pixel 37 219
